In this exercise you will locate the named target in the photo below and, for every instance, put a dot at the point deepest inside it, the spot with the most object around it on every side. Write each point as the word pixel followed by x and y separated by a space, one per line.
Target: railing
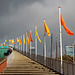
pixel 54 64
pixel 9 57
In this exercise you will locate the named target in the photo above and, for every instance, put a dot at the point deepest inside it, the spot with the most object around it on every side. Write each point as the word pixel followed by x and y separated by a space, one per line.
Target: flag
pixel 12 41
pixel 15 41
pixel 20 40
pixel 5 40
pixel 27 38
pixel 64 25
pixel 46 29
pixel 24 39
pixel 37 35
pixel 31 37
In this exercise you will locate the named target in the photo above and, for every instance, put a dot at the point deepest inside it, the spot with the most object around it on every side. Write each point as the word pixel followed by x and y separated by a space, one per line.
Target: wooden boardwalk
pixel 21 64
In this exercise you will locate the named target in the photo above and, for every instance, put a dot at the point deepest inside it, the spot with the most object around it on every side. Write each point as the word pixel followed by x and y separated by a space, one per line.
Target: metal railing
pixel 54 64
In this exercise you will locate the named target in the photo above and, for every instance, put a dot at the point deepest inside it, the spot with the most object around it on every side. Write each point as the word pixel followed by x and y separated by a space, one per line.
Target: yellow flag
pixel 17 40
pixel 5 40
pixel 24 39
pixel 9 40
pixel 46 29
pixel 27 38
pixel 37 35
pixel 12 41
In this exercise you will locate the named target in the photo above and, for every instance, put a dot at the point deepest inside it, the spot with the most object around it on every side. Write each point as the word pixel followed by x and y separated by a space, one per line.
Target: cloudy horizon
pixel 19 16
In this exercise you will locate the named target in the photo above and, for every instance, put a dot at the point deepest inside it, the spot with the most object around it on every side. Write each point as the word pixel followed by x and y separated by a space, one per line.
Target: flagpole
pixel 14 43
pixel 9 43
pixel 35 44
pixel 56 47
pixel 60 40
pixel 51 44
pixel 44 47
pixel 73 53
pixel 30 46
pixel 26 43
pixel 23 43
pixel 59 49
pixel 19 43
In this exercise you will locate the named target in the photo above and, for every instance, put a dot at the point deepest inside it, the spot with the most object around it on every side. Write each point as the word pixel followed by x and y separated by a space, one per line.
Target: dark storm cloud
pixel 8 11
pixel 19 16
pixel 6 6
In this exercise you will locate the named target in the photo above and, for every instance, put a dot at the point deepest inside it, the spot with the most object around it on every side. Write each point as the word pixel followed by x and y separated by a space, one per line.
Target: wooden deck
pixel 21 64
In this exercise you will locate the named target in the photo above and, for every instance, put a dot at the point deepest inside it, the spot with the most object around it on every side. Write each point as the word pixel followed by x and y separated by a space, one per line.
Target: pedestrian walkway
pixel 21 64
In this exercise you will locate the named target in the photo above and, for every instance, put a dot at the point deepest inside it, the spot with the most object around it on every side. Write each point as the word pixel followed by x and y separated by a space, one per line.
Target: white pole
pixel 30 46
pixel 13 43
pixel 26 42
pixel 35 44
pixel 23 44
pixel 44 47
pixel 73 53
pixel 9 43
pixel 60 40
pixel 19 45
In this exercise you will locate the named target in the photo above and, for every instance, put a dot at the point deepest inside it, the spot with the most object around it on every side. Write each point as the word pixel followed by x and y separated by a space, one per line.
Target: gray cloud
pixel 19 16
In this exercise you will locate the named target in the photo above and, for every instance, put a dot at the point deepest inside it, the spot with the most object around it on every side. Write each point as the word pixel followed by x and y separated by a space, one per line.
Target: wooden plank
pixel 21 64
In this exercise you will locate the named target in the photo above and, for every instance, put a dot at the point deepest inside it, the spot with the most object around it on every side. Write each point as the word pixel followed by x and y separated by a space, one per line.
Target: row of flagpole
pixel 46 30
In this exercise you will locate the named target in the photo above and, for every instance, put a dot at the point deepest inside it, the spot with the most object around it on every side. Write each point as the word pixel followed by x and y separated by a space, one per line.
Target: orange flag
pixel 15 41
pixel 20 40
pixel 31 37
pixel 46 29
pixel 64 25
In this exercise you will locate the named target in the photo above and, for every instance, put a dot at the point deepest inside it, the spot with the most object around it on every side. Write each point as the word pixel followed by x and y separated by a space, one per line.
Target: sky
pixel 19 16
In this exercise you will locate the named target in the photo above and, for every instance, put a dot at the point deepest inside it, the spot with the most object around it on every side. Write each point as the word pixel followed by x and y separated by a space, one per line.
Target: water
pixel 3 49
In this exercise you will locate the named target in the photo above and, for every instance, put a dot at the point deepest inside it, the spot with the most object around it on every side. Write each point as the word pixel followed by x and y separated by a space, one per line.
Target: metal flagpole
pixel 30 46
pixel 56 47
pixel 51 44
pixel 19 45
pixel 23 44
pixel 73 53
pixel 14 43
pixel 26 43
pixel 44 47
pixel 9 43
pixel 59 49
pixel 35 44
pixel 60 39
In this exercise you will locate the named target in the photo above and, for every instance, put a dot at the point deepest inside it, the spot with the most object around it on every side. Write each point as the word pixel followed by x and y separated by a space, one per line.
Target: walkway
pixel 21 64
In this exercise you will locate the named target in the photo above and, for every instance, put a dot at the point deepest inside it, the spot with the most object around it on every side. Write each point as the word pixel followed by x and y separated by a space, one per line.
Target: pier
pixel 20 64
